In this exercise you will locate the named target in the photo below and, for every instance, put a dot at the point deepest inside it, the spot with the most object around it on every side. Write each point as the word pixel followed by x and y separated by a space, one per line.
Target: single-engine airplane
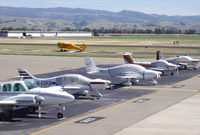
pixel 77 82
pixel 70 46
pixel 23 93
pixel 158 65
pixel 128 72
pixel 184 62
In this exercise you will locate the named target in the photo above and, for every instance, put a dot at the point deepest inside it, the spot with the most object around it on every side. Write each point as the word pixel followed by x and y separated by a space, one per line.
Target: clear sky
pixel 166 7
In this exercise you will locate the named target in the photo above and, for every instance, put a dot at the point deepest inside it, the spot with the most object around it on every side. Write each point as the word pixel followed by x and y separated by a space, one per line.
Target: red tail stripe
pixel 126 57
pixel 24 74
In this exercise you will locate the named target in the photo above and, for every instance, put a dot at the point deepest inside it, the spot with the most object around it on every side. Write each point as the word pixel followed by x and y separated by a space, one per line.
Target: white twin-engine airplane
pixel 183 62
pixel 82 84
pixel 129 72
pixel 23 93
pixel 158 65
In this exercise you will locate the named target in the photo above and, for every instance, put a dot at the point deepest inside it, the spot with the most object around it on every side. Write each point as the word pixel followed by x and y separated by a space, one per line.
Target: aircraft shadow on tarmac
pixel 23 113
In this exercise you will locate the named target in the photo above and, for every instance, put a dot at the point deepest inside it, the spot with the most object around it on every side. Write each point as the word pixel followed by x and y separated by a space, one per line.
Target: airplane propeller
pixel 39 110
pixel 177 72
pixel 39 99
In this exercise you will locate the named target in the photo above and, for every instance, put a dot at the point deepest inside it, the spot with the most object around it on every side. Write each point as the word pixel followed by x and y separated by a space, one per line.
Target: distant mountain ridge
pixel 80 18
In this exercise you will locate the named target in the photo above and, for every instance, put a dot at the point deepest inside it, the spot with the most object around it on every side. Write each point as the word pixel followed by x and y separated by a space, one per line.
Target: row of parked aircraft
pixel 39 92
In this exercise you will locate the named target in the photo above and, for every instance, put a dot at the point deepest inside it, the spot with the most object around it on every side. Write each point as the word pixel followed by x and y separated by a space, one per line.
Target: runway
pixel 127 46
pixel 113 100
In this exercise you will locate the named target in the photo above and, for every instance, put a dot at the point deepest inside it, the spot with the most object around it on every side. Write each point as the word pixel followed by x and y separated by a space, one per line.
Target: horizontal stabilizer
pixel 71 88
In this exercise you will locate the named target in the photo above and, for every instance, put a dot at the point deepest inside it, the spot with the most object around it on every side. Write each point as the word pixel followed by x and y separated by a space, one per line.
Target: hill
pixel 59 18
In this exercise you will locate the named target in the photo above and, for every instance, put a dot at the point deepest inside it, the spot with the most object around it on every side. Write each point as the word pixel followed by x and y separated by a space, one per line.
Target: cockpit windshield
pixel 30 85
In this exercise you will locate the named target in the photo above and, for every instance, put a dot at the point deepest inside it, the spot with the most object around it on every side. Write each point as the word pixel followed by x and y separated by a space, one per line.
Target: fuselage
pixel 50 96
pixel 68 79
pixel 138 71
pixel 183 60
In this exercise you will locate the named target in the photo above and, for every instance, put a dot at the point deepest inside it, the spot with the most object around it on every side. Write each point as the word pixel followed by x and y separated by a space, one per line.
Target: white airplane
pixel 77 82
pixel 184 62
pixel 158 65
pixel 23 93
pixel 128 72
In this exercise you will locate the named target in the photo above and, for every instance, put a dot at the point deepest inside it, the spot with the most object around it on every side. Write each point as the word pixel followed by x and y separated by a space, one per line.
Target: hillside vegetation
pixel 62 18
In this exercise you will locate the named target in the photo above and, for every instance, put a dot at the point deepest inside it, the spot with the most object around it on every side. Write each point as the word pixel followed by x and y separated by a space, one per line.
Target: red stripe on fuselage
pixel 97 82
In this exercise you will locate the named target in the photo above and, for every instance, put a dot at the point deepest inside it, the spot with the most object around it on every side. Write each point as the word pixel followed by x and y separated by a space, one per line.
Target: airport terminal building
pixel 19 34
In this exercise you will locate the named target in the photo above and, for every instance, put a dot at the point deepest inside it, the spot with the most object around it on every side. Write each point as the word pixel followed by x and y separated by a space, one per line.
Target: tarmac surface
pixel 119 109
pixel 134 46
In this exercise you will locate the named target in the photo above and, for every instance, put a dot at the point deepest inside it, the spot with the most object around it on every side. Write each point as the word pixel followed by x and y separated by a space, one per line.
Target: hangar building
pixel 19 34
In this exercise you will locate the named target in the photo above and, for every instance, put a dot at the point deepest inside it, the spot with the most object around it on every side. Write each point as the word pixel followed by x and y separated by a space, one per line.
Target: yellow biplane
pixel 70 46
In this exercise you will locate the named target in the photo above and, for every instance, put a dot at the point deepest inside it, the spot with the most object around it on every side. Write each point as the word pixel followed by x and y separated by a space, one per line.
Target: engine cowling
pixel 97 85
pixel 27 99
pixel 150 74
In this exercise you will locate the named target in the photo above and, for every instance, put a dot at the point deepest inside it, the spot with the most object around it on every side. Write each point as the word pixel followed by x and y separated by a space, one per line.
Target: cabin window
pixel 6 87
pixel 18 87
pixel 30 85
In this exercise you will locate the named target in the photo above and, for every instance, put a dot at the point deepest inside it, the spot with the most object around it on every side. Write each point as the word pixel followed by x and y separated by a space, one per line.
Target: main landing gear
pixel 60 108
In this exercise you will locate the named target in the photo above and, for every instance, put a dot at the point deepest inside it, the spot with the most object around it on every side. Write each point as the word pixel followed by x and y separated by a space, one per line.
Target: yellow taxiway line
pixel 109 107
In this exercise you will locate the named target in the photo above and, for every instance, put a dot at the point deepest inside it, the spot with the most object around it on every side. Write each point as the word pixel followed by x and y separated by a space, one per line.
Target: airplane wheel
pixel 60 115
pixel 61 50
pixel 195 68
pixel 185 67
pixel 31 109
pixel 172 73
pixel 8 116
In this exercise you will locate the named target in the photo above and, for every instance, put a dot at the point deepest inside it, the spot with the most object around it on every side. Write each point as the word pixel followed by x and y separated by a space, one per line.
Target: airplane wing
pixel 92 72
pixel 72 87
pixel 21 100
pixel 158 69
pixel 7 102
pixel 128 75
pixel 182 63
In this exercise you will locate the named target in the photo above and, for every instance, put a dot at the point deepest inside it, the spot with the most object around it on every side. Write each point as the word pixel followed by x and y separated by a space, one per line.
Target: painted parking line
pixel 90 114
pixel 109 107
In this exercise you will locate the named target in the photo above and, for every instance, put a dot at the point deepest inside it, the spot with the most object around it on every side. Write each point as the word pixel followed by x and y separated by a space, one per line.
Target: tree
pixel 96 32
pixel 11 28
pixel 4 28
pixel 67 29
pixel 87 29
pixel 190 31
pixel 158 31
pixel 24 29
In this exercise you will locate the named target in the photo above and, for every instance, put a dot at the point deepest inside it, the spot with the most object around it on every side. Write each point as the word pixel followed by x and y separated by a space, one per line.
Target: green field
pixel 158 40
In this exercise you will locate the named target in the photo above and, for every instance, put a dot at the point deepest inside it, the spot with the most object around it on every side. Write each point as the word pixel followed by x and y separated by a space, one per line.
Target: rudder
pixel 128 59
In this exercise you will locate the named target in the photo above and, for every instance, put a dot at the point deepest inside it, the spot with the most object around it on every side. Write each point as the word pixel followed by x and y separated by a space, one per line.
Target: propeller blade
pixel 177 70
pixel 39 111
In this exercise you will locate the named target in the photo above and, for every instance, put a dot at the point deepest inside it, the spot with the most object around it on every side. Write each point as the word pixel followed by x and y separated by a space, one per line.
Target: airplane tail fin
pixel 128 59
pixel 90 66
pixel 25 74
pixel 83 47
pixel 159 55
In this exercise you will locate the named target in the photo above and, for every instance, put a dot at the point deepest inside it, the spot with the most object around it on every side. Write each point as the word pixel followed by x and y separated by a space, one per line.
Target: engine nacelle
pixel 25 99
pixel 97 85
pixel 150 74
pixel 83 92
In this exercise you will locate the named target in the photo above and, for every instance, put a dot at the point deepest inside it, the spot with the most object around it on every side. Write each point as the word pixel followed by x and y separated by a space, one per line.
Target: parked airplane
pixel 23 93
pixel 128 72
pixel 82 84
pixel 158 65
pixel 70 46
pixel 183 61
